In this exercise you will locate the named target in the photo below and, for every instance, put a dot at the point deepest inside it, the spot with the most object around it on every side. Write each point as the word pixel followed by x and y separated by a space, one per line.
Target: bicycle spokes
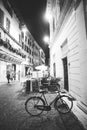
pixel 63 104
pixel 30 106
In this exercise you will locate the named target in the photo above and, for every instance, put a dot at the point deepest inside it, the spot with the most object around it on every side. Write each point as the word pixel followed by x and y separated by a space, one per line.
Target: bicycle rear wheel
pixel 30 105
pixel 64 104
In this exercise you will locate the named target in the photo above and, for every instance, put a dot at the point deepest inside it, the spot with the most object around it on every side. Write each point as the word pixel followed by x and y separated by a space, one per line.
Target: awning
pixel 4 56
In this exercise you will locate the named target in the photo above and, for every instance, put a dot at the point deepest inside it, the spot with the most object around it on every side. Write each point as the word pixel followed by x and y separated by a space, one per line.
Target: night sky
pixel 33 12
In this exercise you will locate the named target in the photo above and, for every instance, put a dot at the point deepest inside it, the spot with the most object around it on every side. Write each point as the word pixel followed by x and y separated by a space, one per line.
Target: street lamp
pixel 46 39
pixel 48 16
pixel 24 28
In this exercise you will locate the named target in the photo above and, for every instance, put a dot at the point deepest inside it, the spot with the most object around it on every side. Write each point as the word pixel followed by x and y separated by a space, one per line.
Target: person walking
pixel 8 76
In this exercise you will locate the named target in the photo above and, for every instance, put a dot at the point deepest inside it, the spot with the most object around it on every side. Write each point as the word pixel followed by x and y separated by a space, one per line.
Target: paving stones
pixel 14 117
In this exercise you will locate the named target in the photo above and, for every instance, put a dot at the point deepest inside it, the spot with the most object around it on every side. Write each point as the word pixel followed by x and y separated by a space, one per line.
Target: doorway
pixel 14 71
pixel 65 68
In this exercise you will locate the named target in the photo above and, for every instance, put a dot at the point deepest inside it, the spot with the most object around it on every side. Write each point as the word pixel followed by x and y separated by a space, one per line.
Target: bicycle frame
pixel 43 95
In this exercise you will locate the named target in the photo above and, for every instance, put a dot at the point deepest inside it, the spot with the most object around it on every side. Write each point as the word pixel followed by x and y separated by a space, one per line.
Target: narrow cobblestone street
pixel 14 117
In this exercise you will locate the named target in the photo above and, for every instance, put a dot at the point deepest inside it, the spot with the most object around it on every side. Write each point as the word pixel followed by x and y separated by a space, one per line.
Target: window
pixel 7 40
pixel 22 35
pixel 1 17
pixel 7 24
pixel 30 60
pixel 22 45
pixel 19 38
pixel 25 38
pixel 27 48
pixel 0 35
pixel 28 41
pixel 30 51
pixel 53 24
pixel 32 45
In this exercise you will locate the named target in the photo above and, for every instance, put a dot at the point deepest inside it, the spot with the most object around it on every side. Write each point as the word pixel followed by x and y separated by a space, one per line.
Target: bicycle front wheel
pixel 64 104
pixel 30 105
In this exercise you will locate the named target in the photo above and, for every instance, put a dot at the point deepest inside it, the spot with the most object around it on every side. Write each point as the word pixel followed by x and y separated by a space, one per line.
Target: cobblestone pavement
pixel 14 117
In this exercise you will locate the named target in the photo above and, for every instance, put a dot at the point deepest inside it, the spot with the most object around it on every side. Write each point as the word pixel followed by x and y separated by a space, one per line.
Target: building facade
pixel 68 46
pixel 16 44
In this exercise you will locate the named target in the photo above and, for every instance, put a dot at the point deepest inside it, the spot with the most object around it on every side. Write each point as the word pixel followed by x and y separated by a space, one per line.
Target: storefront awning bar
pixel 8 58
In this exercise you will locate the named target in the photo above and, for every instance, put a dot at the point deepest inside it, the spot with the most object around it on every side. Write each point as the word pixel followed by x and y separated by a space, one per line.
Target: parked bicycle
pixel 35 105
